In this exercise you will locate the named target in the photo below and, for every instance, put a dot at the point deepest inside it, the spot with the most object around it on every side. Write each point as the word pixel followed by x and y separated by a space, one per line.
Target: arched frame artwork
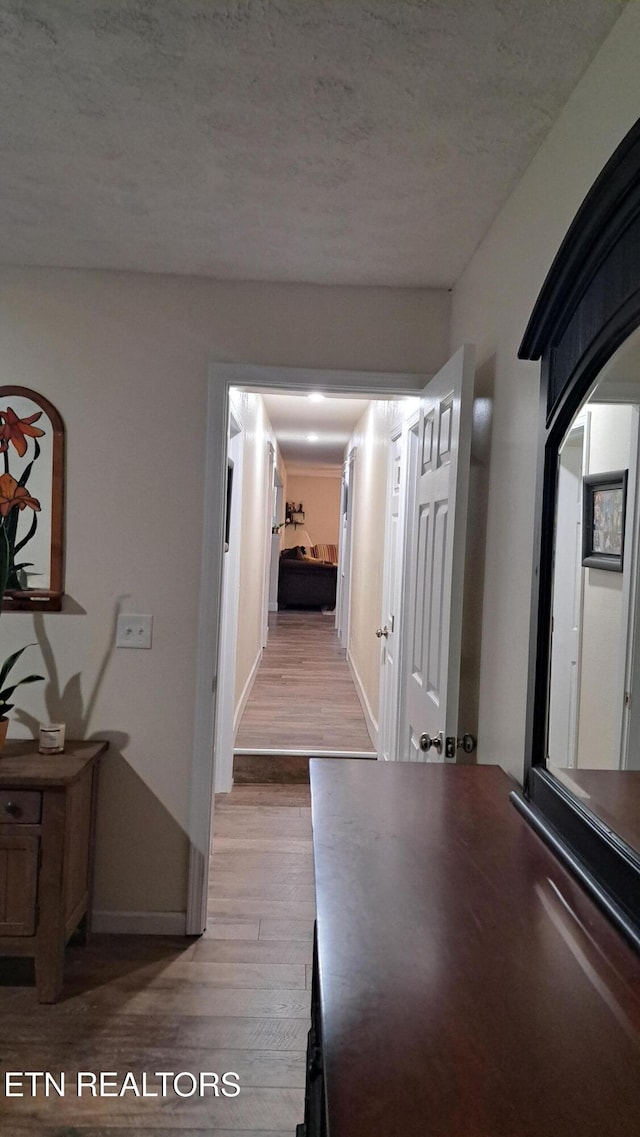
pixel 31 501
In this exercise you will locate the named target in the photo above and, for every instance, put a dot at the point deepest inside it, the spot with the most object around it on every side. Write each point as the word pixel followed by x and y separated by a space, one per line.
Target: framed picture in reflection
pixel 604 503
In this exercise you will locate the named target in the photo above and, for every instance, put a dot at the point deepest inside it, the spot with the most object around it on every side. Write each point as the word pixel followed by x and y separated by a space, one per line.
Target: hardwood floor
pixel 303 697
pixel 236 999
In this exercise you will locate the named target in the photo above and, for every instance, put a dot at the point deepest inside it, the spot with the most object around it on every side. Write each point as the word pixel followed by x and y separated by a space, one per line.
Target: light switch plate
pixel 133 631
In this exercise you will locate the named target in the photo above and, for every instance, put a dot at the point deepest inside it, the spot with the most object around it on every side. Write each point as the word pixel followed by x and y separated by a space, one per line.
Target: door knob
pixel 426 742
pixel 382 632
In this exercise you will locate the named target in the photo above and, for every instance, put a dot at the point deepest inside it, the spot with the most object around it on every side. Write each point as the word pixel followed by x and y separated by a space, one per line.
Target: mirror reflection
pixel 593 736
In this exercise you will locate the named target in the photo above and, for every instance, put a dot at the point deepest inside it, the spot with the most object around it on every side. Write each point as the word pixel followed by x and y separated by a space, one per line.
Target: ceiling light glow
pixel 313 437
pixel 316 396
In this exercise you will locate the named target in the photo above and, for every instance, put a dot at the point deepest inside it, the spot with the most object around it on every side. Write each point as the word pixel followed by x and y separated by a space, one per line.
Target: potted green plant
pixel 7 691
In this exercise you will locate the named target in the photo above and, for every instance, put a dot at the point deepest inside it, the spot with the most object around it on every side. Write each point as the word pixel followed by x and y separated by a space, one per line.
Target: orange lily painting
pixel 16 433
pixel 16 430
pixel 13 494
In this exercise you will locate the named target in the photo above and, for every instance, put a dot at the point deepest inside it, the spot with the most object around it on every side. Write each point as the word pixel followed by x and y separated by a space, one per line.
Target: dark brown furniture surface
pixel 306 584
pixel 47 821
pixel 464 984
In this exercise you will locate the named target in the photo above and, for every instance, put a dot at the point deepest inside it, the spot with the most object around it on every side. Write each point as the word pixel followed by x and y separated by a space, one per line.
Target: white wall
pixel 492 303
pixel 371 439
pixel 320 497
pixel 250 412
pixel 125 359
pixel 601 681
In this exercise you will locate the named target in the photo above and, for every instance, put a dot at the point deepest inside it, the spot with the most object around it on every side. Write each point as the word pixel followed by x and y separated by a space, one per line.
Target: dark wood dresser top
pixel 21 765
pixel 468 986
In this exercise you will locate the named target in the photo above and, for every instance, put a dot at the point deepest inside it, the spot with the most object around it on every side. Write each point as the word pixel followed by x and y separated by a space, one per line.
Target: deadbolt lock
pixel 467 743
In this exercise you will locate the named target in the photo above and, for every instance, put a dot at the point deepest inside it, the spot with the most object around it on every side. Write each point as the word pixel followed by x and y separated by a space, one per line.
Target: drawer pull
pixel 12 808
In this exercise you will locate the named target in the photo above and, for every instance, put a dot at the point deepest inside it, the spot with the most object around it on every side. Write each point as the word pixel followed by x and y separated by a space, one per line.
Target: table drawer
pixel 20 807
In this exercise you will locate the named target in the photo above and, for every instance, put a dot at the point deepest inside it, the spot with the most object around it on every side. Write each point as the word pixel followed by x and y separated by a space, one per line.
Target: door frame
pixel 223 376
pixel 345 542
pixel 229 612
pixel 344 501
pixel 274 552
pixel 266 576
pixel 392 687
pixel 579 435
pixel 410 458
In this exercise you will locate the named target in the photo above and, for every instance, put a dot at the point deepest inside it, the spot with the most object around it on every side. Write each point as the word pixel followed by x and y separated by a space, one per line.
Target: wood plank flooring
pixel 237 999
pixel 303 697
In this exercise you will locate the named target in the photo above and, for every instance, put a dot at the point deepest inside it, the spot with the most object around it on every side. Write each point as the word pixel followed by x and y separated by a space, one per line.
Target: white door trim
pixel 268 523
pixel 343 605
pixel 560 728
pixel 229 620
pixel 222 376
pixel 341 549
pixel 412 430
pixel 392 597
pixel 201 789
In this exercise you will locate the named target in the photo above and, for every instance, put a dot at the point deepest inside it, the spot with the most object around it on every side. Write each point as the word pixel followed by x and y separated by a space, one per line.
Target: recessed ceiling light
pixel 313 437
pixel 316 396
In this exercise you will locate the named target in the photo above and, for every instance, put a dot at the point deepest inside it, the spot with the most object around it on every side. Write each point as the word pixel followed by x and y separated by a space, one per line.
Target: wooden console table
pixel 47 821
pixel 464 984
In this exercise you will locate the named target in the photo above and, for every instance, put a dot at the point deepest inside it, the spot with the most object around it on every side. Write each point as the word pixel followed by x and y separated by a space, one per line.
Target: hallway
pixel 304 697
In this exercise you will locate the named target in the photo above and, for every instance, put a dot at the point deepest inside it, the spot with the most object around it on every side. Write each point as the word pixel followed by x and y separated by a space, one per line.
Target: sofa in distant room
pixel 307 581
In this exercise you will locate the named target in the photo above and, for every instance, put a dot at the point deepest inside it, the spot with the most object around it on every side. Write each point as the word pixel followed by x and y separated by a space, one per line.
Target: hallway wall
pixel 251 414
pixel 371 440
pixel 320 496
pixel 492 303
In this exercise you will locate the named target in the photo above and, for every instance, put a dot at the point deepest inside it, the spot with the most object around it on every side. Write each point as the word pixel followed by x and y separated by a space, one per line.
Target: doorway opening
pixel 433 646
pixel 304 613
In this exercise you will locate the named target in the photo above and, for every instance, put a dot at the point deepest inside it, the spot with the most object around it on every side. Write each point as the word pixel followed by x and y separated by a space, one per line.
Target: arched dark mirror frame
pixel 588 306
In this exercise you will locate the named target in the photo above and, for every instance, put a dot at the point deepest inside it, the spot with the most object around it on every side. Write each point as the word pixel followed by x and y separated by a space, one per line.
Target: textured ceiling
pixel 293 417
pixel 329 141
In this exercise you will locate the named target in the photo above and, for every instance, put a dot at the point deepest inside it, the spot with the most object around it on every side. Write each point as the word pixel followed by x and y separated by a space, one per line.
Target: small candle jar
pixel 51 739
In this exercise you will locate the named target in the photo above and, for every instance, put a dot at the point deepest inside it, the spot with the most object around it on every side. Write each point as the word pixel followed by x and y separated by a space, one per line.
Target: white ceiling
pixel 293 417
pixel 623 368
pixel 329 141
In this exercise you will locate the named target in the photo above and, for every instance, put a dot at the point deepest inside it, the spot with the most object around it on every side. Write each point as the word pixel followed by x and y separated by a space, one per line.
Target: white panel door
pixel 437 524
pixel 389 631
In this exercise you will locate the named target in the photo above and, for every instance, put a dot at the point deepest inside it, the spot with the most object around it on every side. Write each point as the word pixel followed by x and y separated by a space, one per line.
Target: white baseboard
pixel 246 691
pixel 369 718
pixel 140 923
pixel 273 605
